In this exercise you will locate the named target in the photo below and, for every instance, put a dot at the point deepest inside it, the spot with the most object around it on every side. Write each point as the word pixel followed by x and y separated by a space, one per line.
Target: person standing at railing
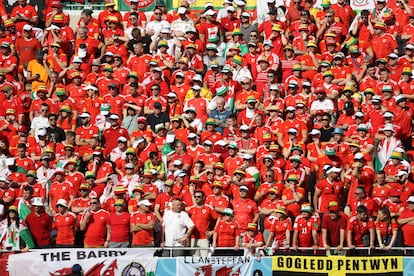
pixel 406 219
pixel 202 216
pixel 333 229
pixel 176 228
pixel 386 228
pixel 227 231
pixel 361 230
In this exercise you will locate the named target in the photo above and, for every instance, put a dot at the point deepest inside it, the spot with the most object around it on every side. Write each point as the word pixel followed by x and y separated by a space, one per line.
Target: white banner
pixel 358 5
pixel 94 262
pixel 215 266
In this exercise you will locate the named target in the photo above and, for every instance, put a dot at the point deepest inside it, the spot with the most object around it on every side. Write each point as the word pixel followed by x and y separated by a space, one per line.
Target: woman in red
pixel 280 231
pixel 66 121
pixel 65 224
pixel 386 228
pixel 227 232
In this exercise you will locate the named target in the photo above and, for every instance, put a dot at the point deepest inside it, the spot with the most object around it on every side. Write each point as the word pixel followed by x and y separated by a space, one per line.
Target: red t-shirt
pixel 65 225
pixel 407 229
pixel 95 235
pixel 305 228
pixel 202 217
pixel 119 227
pixel 143 237
pixel 227 233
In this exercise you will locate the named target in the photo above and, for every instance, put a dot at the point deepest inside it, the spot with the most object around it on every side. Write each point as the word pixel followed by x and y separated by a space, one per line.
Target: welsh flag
pixel 143 5
pixel 24 232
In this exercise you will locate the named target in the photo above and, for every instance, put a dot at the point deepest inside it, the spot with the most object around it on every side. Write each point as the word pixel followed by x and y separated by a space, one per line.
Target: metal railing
pixel 189 251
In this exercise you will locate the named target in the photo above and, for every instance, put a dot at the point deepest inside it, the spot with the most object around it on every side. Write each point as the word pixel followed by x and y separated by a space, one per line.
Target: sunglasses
pixel 198 197
pixel 154 89
pixel 157 13
pixel 93 203
pixel 272 194
pixel 325 119
pixel 245 83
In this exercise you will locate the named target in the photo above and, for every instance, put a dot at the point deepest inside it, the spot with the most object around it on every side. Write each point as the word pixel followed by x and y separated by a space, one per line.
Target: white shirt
pixel 38 123
pixel 326 104
pixel 156 26
pixel 175 225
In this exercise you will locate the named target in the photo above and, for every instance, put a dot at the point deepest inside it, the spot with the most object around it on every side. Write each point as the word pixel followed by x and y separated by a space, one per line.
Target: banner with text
pixel 214 266
pixel 336 265
pixel 94 262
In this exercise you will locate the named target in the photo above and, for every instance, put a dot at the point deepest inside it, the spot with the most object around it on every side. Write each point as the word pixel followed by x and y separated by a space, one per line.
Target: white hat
pixel 90 87
pixel 376 98
pixel 181 10
pixel 208 142
pixel 315 132
pixel 244 127
pixel 358 155
pixel 293 83
pixel 4 179
pixel 409 46
pixel 210 12
pixel 37 201
pixel 267 156
pixel 245 14
pixel 240 3
pixel 85 115
pixel 197 77
pixel 306 83
pixel 42 132
pixel 221 143
pixel 244 187
pixel 109 54
pixel 122 139
pixel 410 199
pixel 247 156
pixel 359 114
pixel 230 8
pixel 27 27
pixel 393 55
pixel 191 135
pixel 114 117
pixel 388 127
pixel 179 173
pixel 290 108
pixel 388 114
pixel 178 162
pixel 129 166
pixel 145 202
pixel 158 69
pixel 292 130
pixel 333 169
pixel 208 4
pixel 270 1
pixel 268 42
pixel 62 202
pixel 172 95
pixel 77 59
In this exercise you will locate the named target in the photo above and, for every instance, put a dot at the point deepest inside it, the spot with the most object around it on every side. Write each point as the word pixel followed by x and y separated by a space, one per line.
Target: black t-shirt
pixel 153 120
pixel 326 134
pixel 56 135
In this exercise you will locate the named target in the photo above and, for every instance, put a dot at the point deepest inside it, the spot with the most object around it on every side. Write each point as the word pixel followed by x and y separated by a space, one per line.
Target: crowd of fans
pixel 227 128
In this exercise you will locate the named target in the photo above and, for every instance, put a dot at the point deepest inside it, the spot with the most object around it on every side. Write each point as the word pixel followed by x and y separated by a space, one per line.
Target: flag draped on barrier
pixel 94 262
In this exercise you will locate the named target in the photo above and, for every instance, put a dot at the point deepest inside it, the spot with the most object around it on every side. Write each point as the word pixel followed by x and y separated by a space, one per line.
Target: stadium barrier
pixel 125 261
